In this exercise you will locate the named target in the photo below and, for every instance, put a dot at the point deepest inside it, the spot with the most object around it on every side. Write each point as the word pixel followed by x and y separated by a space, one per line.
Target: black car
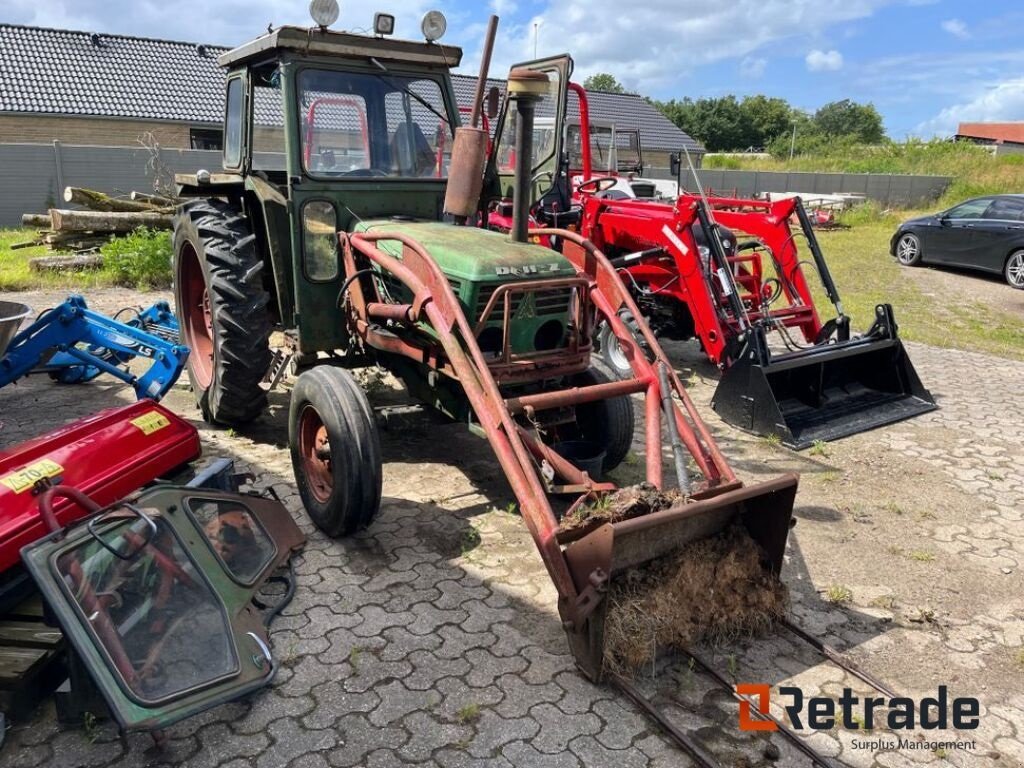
pixel 986 233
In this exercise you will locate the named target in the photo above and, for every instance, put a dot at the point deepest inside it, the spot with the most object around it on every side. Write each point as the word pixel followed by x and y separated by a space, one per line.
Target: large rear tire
pixel 222 310
pixel 335 451
pixel 608 423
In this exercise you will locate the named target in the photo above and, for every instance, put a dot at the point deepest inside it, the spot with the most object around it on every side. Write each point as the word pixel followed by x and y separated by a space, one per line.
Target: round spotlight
pixel 324 12
pixel 433 26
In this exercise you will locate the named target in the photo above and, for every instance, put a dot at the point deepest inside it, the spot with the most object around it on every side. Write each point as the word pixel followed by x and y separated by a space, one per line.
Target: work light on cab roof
pixel 324 12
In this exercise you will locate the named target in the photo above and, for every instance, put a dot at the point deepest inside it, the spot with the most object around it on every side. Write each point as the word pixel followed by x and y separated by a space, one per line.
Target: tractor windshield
pixel 373 124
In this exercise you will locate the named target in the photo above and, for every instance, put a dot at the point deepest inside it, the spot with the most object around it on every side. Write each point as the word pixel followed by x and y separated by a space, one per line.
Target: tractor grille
pixel 542 303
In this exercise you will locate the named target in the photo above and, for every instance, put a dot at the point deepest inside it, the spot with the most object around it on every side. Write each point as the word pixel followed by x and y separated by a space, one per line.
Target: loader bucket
pixel 605 554
pixel 823 393
pixel 11 316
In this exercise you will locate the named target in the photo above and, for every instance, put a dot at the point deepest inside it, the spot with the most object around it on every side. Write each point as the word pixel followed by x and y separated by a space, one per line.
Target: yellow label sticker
pixel 24 479
pixel 151 422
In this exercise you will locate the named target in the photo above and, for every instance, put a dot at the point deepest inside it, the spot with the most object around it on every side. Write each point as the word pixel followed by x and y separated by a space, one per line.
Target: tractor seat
pixel 415 157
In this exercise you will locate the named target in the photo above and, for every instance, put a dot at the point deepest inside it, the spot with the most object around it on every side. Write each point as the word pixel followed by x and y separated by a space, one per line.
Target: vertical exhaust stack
pixel 469 151
pixel 525 87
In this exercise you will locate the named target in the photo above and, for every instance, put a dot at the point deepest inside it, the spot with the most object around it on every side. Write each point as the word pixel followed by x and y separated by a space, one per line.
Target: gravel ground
pixel 431 638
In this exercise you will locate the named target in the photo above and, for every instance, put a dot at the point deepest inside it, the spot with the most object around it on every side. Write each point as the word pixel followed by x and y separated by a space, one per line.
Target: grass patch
pixel 867 275
pixel 921 556
pixel 837 594
pixel 468 714
pixel 140 260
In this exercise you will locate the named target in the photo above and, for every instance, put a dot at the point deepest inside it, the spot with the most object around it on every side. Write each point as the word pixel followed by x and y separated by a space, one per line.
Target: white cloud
pixel 652 47
pixel 752 66
pixel 956 28
pixel 824 61
pixel 1003 102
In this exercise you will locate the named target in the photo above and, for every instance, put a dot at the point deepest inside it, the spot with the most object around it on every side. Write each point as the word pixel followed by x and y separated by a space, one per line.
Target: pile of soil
pixel 623 504
pixel 714 590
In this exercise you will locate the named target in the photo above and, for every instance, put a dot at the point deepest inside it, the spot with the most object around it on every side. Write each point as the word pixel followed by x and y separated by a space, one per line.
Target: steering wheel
pixel 597 185
pixel 366 172
pixel 537 177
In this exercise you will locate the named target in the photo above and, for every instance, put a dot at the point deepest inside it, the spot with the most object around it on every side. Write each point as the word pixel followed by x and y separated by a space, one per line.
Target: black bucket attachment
pixel 597 558
pixel 826 392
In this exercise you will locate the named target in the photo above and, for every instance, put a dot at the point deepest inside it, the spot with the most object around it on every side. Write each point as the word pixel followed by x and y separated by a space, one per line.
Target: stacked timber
pixel 99 218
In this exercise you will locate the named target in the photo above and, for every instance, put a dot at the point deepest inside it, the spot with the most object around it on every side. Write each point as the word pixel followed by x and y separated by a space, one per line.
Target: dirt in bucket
pixel 713 590
pixel 623 504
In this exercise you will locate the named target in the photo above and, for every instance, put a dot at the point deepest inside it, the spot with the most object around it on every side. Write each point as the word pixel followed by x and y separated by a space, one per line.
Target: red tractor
pixel 728 273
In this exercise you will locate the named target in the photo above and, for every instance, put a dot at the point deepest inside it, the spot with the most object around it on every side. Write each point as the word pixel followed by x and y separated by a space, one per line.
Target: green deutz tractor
pixel 333 221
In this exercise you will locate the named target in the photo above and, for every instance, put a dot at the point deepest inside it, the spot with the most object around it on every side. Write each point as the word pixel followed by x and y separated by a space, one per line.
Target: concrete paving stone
pixel 397 701
pixel 400 642
pixel 454 593
pixel 593 754
pixel 333 701
pixel 522 753
pixel 457 698
pixel 457 758
pixel 341 643
pixel 314 760
pixel 486 668
pixel 492 732
pixel 358 738
pixel 291 740
pixel 620 724
pixel 270 707
pixel 428 668
pixel 456 643
pixel 521 696
pixel 428 734
pixel 580 694
pixel 220 744
pixel 369 670
pixel 557 729
pixel 376 620
pixel 429 619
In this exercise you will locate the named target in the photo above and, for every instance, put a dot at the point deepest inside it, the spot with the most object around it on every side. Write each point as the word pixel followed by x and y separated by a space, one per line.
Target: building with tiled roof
pixel 98 89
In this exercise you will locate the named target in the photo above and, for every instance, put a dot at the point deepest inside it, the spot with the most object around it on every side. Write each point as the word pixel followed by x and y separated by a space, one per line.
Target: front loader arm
pixel 72 330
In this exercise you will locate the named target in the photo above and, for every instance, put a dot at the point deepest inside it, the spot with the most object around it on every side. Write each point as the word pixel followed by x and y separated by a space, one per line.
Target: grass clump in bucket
pixel 714 590
pixel 623 504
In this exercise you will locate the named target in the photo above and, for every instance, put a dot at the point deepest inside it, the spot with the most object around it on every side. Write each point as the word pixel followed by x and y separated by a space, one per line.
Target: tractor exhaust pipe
pixel 469 151
pixel 525 87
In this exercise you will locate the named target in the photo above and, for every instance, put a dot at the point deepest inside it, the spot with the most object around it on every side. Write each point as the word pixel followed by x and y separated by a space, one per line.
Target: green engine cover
pixel 476 262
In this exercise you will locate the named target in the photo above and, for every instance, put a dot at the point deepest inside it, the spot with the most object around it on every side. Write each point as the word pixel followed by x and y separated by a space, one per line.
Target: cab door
pixel 547 166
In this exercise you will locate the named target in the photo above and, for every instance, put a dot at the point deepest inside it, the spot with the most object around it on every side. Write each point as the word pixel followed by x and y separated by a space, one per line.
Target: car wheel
pixel 1014 270
pixel 908 249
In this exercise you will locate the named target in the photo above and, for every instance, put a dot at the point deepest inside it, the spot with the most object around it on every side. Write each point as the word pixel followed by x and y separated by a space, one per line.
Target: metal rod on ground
pixel 816 757
pixel 485 65
pixel 678 453
pixel 680 737
pixel 837 658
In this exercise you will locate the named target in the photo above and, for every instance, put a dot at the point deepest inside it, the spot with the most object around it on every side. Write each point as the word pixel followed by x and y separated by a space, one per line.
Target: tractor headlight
pixel 434 26
pixel 324 12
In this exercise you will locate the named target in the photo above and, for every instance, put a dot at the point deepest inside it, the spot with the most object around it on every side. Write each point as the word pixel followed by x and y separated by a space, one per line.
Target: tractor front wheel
pixel 611 350
pixel 222 310
pixel 335 451
pixel 608 423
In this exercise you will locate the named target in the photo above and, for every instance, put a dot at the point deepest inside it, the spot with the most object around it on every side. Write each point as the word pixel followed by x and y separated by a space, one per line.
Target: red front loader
pixel 728 272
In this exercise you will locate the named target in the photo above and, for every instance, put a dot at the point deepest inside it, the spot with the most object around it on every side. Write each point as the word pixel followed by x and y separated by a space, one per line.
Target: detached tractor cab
pixel 343 218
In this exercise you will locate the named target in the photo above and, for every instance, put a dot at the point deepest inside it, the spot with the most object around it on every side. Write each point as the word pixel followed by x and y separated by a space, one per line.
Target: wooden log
pixel 102 221
pixel 157 201
pixel 37 220
pixel 66 263
pixel 98 201
pixel 26 244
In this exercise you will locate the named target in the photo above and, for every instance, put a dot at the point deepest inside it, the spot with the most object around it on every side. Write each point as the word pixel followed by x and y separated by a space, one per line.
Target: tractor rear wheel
pixel 611 351
pixel 608 423
pixel 335 451
pixel 222 310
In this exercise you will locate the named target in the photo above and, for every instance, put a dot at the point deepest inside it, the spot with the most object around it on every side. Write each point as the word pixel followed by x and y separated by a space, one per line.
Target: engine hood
pixel 473 254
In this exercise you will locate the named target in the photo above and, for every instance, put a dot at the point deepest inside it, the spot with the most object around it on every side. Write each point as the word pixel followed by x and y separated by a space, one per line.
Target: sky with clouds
pixel 926 64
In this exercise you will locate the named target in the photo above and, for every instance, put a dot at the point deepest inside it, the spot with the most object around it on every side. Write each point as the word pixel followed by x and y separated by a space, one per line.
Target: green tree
pixel 766 118
pixel 602 81
pixel 848 118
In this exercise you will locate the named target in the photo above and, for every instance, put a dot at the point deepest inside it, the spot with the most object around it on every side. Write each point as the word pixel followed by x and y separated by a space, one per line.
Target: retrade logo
pixel 821 713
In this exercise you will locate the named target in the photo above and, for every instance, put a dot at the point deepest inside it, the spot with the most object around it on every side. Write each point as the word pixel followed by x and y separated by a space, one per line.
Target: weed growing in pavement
pixel 468 714
pixel 837 594
pixel 819 448
pixel 921 556
pixel 772 440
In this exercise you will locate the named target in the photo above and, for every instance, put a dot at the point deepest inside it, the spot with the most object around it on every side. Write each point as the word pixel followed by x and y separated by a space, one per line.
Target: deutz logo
pixel 529 269
pixel 527 308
